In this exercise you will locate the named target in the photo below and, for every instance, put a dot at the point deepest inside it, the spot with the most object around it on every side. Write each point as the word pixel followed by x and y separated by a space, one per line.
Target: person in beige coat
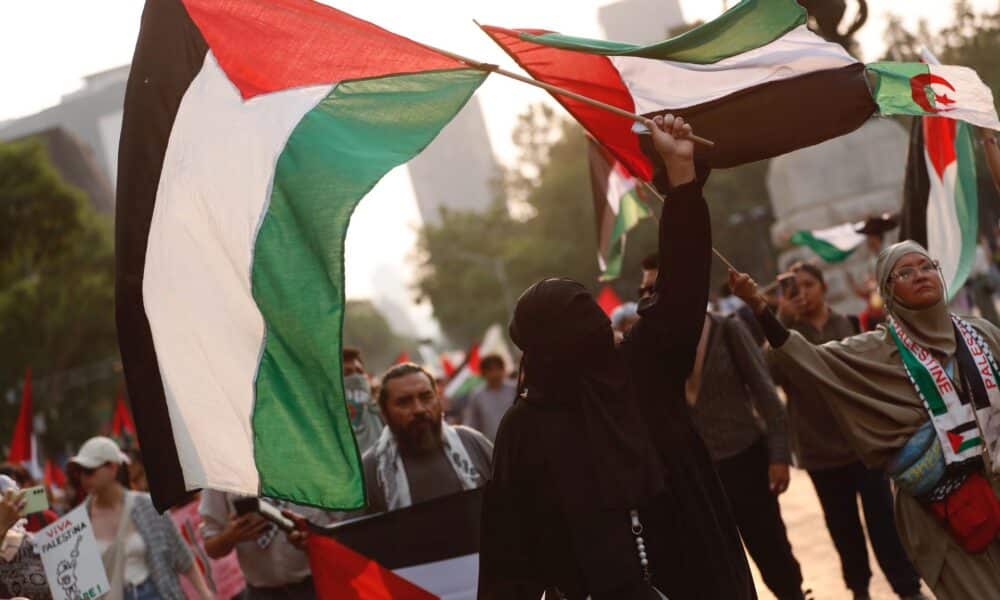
pixel 877 394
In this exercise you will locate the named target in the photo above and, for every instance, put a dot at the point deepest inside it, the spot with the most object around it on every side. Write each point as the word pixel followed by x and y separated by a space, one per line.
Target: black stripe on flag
pixel 440 529
pixel 777 117
pixel 916 188
pixel 168 55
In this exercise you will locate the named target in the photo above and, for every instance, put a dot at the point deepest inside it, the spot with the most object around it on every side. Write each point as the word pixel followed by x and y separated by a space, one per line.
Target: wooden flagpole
pixel 557 90
pixel 652 190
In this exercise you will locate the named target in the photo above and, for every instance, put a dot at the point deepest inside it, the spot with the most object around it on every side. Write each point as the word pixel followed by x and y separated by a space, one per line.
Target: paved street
pixel 812 546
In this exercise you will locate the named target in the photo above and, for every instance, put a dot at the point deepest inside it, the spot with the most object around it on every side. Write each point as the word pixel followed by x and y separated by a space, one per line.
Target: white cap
pixel 98 451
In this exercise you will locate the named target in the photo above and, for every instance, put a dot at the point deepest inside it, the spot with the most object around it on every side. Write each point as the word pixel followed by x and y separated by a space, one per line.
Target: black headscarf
pixel 570 365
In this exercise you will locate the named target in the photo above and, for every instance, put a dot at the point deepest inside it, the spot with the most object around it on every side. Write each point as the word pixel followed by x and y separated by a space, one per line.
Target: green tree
pixel 366 329
pixel 56 298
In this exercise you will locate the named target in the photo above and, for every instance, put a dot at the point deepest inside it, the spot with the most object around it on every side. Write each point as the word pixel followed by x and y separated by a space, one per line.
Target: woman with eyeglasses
pixel 920 398
pixel 142 551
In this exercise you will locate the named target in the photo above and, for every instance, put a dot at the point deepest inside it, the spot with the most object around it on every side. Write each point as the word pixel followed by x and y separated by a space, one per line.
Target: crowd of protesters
pixel 638 455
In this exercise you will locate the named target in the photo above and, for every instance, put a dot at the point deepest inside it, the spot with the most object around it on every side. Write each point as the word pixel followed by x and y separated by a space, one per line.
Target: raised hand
pixel 745 288
pixel 671 138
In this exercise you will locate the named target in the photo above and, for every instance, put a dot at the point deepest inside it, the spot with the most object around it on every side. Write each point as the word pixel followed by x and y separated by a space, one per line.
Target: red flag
pixel 121 420
pixel 447 367
pixel 608 300
pixel 20 442
pixel 54 476
pixel 402 357
pixel 339 573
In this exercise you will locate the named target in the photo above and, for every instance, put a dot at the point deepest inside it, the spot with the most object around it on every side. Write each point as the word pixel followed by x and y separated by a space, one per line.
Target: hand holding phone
pixel 35 500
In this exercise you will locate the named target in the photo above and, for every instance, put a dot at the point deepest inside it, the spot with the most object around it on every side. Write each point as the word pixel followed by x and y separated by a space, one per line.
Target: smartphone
pixel 265 509
pixel 35 500
pixel 789 286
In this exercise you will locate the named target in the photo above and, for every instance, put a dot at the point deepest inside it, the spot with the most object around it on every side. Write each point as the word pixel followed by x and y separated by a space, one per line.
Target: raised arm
pixel 676 310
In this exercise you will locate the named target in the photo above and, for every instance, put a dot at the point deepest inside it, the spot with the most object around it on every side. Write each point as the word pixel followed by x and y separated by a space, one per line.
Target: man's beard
pixel 420 435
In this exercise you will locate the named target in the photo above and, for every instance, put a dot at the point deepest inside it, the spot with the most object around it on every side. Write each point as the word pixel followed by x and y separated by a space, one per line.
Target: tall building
pixel 640 21
pixel 91 115
pixel 457 170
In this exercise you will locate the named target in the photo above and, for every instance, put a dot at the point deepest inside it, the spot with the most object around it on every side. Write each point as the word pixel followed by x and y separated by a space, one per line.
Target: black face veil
pixel 570 365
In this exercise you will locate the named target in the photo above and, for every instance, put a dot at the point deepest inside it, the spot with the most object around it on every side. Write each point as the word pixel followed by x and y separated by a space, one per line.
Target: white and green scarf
pixel 961 425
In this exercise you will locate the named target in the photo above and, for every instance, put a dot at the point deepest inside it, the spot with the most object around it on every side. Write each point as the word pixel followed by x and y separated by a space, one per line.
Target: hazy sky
pixel 48 45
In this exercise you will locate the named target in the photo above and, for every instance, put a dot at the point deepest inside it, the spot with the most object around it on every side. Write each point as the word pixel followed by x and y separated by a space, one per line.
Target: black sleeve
pixel 776 333
pixel 674 314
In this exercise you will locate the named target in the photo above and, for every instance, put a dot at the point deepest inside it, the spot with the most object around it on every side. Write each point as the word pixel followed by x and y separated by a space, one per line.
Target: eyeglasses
pixel 907 273
pixel 646 290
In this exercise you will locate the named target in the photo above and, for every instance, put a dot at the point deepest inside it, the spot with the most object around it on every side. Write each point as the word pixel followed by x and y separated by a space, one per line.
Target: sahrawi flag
pixel 252 129
pixel 755 80
pixel 833 244
pixel 618 207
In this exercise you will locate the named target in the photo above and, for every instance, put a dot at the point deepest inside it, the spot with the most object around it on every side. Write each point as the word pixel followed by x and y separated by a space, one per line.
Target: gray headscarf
pixel 930 327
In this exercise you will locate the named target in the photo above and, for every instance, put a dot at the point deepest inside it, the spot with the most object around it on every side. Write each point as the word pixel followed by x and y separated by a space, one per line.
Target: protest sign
pixel 71 559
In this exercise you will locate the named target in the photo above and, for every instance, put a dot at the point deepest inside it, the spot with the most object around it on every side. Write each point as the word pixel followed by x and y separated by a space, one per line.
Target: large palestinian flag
pixel 618 207
pixel 940 200
pixel 252 128
pixel 756 81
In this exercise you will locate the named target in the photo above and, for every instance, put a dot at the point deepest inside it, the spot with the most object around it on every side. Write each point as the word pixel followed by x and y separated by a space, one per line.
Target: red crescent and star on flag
pixel 923 92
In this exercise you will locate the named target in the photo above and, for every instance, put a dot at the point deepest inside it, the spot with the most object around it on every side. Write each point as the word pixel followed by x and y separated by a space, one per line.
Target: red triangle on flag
pixel 54 476
pixel 402 357
pixel 447 367
pixel 20 442
pixel 608 300
pixel 956 441
pixel 340 573
pixel 472 360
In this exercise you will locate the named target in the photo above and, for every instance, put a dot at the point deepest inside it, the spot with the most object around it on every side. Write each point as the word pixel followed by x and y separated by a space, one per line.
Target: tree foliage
pixel 367 329
pixel 56 298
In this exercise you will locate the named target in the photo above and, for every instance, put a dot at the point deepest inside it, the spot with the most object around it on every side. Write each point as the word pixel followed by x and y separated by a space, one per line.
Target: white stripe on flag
pixel 661 84
pixel 944 232
pixel 208 332
pixel 452 579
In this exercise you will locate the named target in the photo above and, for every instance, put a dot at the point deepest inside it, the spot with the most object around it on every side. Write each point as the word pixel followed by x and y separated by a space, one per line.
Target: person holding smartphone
pixel 823 451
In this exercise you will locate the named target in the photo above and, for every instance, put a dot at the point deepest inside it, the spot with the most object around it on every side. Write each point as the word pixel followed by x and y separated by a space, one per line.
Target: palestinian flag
pixel 755 80
pixel 940 200
pixel 618 207
pixel 834 244
pixel 468 377
pixel 122 426
pixel 252 129
pixel 440 559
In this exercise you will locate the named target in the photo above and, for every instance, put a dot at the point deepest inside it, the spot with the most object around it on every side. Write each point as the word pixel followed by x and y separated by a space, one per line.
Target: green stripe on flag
pixel 969 443
pixel 822 248
pixel 893 91
pixel 748 25
pixel 631 210
pixel 966 204
pixel 304 448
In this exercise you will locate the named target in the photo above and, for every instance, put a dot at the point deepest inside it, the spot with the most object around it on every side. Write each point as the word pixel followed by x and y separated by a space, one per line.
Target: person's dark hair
pixel 809 268
pixel 651 262
pixel 403 370
pixel 352 354
pixel 491 361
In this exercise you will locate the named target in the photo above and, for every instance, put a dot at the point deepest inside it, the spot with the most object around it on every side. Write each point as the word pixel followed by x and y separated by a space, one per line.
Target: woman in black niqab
pixel 600 432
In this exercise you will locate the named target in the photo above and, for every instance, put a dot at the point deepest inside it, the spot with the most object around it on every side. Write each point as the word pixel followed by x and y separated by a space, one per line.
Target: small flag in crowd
pixel 608 300
pixel 122 426
pixel 364 558
pixel 834 244
pixel 54 475
pixel 251 130
pixel 402 357
pixel 23 443
pixel 756 81
pixel 468 376
pixel 618 207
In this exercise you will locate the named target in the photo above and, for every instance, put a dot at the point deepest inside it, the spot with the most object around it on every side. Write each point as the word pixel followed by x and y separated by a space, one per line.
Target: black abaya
pixel 534 537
